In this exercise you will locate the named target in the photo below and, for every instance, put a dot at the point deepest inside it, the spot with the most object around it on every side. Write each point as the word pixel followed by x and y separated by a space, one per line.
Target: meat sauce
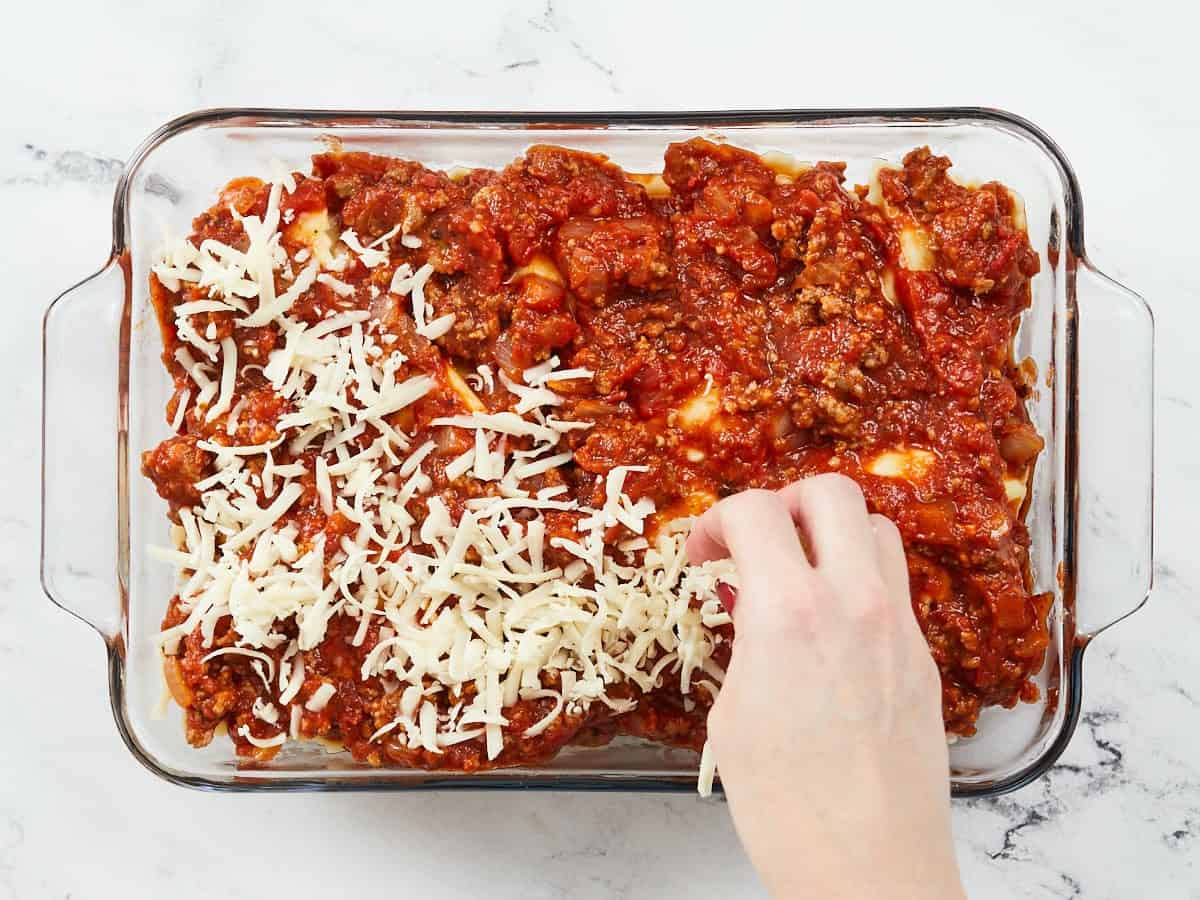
pixel 746 327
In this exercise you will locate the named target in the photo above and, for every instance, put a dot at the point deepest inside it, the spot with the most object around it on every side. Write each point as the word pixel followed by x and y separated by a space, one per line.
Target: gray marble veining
pixel 1118 817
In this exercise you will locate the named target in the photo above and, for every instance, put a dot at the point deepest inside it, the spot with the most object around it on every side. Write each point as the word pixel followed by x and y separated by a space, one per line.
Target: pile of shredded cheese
pixel 460 604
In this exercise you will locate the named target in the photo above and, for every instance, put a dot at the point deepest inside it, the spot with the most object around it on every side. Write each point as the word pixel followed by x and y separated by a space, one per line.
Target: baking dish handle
pixel 1115 504
pixel 82 333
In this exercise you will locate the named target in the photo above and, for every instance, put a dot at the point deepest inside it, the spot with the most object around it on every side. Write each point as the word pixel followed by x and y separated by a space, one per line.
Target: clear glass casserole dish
pixel 1090 503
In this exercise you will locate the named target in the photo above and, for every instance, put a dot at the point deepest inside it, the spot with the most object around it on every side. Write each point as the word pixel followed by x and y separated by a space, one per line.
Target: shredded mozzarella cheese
pixel 467 605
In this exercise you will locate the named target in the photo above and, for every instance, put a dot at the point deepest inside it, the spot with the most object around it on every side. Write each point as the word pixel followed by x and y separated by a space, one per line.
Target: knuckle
pixel 838 486
pixel 874 608
pixel 753 507
pixel 798 621
pixel 885 528
pixel 755 499
pixel 787 606
pixel 799 616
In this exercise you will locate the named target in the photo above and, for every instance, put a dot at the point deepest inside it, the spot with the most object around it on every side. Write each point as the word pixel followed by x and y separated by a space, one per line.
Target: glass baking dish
pixel 1090 504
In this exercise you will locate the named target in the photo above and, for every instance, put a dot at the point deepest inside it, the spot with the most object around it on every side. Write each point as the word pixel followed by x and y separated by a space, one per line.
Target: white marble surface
pixel 83 84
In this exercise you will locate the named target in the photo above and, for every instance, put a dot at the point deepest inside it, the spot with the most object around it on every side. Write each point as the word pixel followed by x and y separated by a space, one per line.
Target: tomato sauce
pixel 746 327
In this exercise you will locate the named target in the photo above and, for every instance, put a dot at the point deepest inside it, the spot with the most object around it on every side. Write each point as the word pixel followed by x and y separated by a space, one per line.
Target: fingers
pixel 833 515
pixel 892 566
pixel 751 528
pixel 859 556
pixel 755 530
pixel 890 552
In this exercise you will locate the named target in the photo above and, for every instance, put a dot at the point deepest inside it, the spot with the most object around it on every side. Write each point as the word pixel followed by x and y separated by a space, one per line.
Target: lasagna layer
pixel 438 437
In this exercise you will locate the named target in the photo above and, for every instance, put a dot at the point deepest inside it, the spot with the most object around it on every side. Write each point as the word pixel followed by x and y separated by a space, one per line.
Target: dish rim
pixel 1072 237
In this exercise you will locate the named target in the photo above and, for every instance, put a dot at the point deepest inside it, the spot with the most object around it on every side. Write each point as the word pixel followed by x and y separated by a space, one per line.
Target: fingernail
pixel 727 594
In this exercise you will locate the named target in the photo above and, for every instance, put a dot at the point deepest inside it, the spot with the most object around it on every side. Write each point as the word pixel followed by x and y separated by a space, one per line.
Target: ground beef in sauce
pixel 746 328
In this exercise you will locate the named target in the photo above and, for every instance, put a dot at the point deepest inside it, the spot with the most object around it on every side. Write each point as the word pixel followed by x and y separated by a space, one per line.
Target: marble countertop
pixel 1118 817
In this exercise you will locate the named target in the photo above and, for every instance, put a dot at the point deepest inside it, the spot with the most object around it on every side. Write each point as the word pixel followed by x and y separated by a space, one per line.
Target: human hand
pixel 827 732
